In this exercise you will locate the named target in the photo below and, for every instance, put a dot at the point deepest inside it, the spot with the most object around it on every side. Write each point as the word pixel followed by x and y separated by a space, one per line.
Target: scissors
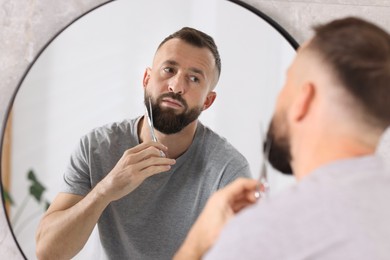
pixel 263 177
pixel 149 116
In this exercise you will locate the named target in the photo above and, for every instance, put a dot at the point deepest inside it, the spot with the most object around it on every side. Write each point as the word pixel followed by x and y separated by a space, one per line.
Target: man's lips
pixel 172 103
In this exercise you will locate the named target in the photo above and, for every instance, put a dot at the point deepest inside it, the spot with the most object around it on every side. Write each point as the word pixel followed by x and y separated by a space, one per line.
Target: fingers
pixel 154 165
pixel 239 187
pixel 143 152
pixel 240 194
pixel 134 167
pixel 237 206
pixel 146 145
pixel 147 154
pixel 146 159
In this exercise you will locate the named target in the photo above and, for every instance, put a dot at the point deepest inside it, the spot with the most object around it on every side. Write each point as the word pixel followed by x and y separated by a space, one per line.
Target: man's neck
pixel 322 153
pixel 177 143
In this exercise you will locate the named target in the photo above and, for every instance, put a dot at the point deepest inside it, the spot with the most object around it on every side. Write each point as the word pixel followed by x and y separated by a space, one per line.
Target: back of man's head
pixel 358 53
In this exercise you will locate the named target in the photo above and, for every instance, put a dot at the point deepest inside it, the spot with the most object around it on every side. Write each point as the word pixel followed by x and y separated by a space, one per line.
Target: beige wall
pixel 25 27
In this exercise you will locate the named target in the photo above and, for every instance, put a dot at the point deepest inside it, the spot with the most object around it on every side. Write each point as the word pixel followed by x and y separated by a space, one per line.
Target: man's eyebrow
pixel 198 71
pixel 194 70
pixel 171 62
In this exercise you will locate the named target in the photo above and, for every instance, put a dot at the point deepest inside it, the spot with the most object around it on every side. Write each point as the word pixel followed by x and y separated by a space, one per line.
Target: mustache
pixel 174 96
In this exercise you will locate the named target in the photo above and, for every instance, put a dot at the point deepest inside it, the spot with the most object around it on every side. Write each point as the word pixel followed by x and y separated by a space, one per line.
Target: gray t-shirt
pixel 340 211
pixel 153 220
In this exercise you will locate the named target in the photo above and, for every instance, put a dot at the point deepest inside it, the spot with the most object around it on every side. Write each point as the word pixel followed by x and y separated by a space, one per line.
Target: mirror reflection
pixel 92 74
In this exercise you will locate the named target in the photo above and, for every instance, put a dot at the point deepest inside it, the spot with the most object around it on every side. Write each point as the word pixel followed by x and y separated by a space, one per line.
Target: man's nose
pixel 177 84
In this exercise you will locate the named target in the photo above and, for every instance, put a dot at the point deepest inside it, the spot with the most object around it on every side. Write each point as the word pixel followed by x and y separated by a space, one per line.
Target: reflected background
pixel 91 74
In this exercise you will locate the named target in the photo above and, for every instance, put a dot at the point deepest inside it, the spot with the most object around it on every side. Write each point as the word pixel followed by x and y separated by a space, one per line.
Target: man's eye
pixel 194 79
pixel 168 70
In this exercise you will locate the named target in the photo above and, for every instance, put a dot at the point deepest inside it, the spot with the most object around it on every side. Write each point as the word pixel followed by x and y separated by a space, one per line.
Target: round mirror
pixel 91 74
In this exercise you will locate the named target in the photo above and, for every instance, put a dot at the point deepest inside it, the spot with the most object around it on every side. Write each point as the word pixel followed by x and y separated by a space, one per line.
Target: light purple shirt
pixel 340 211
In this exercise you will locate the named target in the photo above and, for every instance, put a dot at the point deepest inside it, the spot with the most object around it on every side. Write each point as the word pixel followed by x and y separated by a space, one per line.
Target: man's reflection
pixel 144 203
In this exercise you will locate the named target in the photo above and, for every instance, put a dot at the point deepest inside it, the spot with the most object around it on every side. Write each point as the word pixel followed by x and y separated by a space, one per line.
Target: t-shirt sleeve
pixel 235 169
pixel 76 179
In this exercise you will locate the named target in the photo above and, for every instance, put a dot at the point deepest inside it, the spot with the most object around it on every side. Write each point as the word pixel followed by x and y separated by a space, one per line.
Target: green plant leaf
pixel 7 197
pixel 36 188
pixel 31 176
pixel 47 204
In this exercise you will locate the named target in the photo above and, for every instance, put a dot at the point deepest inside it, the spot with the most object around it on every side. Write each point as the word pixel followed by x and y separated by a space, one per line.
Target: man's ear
pixel 303 101
pixel 146 77
pixel 209 100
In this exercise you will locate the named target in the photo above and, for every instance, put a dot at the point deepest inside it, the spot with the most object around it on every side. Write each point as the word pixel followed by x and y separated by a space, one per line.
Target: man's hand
pixel 136 164
pixel 221 207
pixel 70 219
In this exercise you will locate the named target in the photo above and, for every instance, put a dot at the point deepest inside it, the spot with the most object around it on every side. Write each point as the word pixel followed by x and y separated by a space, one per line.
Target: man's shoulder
pixel 216 141
pixel 221 153
pixel 117 129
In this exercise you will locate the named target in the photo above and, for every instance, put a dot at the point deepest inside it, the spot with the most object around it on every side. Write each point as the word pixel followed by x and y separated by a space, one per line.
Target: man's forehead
pixel 174 44
pixel 179 49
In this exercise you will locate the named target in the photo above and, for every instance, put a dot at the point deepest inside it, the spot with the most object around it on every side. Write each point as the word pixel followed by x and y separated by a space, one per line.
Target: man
pixel 145 195
pixel 329 118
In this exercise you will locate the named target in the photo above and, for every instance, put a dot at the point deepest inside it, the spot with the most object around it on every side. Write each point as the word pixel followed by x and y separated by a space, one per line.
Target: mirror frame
pixel 294 44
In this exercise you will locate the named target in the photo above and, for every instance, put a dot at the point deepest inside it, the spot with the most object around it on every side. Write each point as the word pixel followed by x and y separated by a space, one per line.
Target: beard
pixel 166 120
pixel 280 152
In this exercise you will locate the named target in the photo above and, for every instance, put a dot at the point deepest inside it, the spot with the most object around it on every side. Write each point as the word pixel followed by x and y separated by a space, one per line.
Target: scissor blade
pixel 150 121
pixel 263 177
pixel 267 148
pixel 149 115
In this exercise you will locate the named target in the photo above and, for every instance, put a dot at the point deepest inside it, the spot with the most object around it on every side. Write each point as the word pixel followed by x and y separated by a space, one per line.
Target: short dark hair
pixel 197 39
pixel 359 54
